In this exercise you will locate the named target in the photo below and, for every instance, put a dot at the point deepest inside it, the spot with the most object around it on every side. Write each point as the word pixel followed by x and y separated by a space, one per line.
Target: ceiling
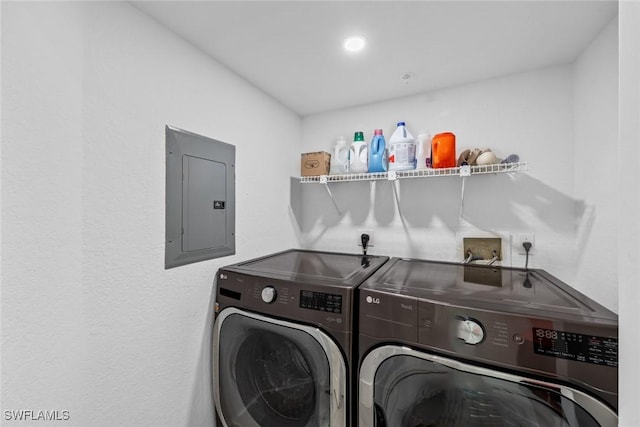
pixel 292 50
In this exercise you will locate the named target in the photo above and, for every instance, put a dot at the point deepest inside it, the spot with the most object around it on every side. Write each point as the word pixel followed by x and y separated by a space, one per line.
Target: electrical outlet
pixel 526 237
pixel 359 238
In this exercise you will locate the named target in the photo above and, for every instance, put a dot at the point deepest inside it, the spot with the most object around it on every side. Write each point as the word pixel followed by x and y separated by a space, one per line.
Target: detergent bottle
pixel 339 157
pixel 402 149
pixel 443 150
pixel 423 151
pixel 377 154
pixel 358 154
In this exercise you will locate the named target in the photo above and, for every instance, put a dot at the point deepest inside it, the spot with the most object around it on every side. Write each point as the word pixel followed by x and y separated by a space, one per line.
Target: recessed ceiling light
pixel 354 43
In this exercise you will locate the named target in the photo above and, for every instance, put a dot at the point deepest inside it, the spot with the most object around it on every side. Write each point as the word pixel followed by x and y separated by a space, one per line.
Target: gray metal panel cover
pixel 200 198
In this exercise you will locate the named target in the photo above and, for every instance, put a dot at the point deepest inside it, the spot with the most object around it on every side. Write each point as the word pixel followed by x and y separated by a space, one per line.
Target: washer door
pixel 271 373
pixel 401 387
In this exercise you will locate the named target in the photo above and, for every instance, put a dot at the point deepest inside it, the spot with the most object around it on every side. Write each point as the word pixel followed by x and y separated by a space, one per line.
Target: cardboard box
pixel 315 164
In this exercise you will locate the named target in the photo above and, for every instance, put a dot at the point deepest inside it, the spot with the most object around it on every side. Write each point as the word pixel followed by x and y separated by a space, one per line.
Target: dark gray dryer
pixel 445 344
pixel 283 339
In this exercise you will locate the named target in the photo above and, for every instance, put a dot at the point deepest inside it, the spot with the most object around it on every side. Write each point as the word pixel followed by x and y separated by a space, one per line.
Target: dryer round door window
pixel 273 368
pixel 410 391
pixel 270 375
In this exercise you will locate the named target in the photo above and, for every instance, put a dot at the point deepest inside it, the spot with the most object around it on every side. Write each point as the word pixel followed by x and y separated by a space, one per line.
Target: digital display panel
pixel 331 303
pixel 582 348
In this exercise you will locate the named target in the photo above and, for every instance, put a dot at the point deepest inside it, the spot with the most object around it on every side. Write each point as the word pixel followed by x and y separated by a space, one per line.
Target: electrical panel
pixel 200 198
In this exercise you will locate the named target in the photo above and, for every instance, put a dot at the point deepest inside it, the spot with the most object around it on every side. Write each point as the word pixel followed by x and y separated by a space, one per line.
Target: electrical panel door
pixel 200 198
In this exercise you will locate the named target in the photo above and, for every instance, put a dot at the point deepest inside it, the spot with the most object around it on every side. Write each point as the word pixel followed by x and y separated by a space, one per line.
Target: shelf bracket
pixel 465 171
pixel 325 184
pixel 395 196
pixel 464 180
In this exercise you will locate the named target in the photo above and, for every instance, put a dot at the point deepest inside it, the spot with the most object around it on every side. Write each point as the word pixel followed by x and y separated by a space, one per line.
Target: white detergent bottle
pixel 339 157
pixel 358 155
pixel 423 150
pixel 402 149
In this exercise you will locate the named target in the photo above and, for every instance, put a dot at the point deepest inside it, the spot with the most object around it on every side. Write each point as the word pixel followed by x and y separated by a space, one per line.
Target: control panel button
pixel 269 294
pixel 519 339
pixel 470 331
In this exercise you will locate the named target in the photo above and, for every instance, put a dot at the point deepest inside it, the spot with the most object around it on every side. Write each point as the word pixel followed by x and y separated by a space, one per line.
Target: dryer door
pixel 271 373
pixel 401 387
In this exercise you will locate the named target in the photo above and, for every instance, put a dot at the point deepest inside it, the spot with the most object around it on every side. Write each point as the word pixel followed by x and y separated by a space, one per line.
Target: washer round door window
pixel 400 387
pixel 271 373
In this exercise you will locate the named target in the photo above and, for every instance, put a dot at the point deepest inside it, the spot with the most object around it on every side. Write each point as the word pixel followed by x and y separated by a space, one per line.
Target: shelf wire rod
pixel 460 215
pixel 395 195
pixel 333 201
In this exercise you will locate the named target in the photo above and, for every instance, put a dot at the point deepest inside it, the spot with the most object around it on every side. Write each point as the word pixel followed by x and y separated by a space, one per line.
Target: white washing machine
pixel 283 339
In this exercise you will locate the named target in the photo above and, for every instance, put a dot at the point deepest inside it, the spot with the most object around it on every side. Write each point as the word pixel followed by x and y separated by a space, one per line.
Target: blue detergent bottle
pixel 377 160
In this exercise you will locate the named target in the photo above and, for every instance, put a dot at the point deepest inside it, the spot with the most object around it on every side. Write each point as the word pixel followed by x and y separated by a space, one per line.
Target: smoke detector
pixel 406 77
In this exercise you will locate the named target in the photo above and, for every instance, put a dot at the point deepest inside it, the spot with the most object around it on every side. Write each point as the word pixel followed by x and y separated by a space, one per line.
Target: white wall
pixel 596 164
pixel 91 321
pixel 530 114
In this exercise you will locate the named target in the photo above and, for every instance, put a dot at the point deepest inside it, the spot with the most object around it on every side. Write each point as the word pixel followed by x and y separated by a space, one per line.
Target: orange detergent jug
pixel 443 150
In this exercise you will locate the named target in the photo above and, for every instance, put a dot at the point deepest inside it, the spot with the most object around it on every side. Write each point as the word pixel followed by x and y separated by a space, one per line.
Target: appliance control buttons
pixel 269 294
pixel 470 331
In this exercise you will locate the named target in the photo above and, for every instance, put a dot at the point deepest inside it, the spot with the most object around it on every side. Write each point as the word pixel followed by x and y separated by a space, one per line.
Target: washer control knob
pixel 470 331
pixel 269 294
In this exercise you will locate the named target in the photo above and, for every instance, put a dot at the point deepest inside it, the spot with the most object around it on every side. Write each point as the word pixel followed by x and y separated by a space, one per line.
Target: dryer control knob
pixel 269 294
pixel 470 331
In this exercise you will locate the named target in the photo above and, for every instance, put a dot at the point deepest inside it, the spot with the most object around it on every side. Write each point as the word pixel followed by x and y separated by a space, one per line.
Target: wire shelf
pixel 422 173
